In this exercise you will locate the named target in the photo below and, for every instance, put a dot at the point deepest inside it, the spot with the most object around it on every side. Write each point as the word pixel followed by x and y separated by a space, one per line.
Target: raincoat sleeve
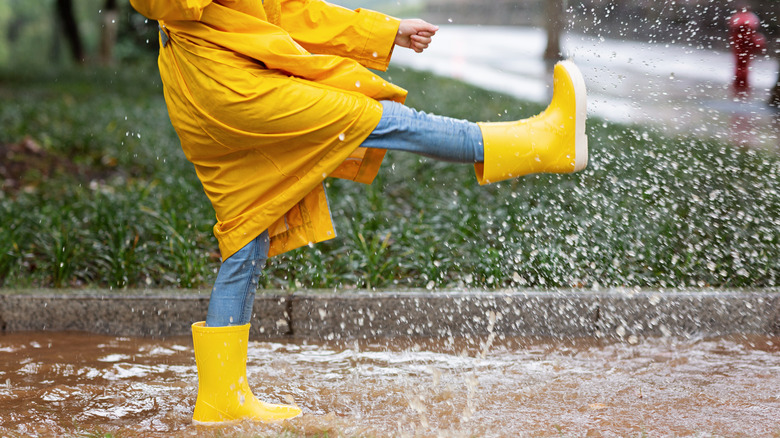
pixel 365 36
pixel 189 10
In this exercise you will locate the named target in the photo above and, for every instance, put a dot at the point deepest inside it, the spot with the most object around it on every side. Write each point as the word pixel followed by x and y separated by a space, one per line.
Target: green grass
pixel 649 211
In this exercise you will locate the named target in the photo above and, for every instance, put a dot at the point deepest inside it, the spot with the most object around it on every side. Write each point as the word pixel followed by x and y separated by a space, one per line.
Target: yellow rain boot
pixel 551 142
pixel 223 392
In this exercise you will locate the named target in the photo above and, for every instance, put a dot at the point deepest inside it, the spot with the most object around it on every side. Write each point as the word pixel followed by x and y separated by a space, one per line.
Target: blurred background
pixel 682 188
pixel 41 33
pixel 51 30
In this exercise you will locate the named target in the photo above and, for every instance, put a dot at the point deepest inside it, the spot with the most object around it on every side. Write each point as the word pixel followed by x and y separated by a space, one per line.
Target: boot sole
pixel 238 420
pixel 581 99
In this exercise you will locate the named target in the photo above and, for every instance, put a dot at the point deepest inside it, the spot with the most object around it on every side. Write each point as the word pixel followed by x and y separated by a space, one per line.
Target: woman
pixel 271 97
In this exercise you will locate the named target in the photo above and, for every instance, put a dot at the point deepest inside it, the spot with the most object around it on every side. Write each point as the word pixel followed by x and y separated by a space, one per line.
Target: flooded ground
pixel 65 384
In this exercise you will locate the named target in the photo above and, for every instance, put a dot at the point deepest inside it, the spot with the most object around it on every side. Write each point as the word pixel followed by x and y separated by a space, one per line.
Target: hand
pixel 415 34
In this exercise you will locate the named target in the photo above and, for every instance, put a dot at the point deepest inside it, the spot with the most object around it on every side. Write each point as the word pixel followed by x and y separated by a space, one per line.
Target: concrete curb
pixel 349 315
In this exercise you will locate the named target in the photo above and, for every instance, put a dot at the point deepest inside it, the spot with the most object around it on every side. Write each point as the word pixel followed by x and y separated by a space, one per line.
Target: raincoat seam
pixel 371 32
pixel 191 100
pixel 254 149
pixel 274 204
pixel 197 119
pixel 256 62
pixel 200 109
pixel 364 58
pixel 327 205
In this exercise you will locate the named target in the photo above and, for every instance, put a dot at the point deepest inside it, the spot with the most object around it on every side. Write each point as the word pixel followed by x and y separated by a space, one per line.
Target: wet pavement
pixel 69 383
pixel 673 88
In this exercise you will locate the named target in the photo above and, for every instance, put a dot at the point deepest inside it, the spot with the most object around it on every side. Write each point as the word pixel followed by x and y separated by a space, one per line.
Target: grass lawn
pixel 97 193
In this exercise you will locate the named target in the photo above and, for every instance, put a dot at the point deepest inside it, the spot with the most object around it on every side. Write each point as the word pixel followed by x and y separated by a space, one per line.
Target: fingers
pixel 420 42
pixel 417 26
pixel 415 34
pixel 425 27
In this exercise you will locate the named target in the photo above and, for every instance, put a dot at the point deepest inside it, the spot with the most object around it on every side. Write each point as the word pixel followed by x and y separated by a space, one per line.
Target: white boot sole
pixel 580 96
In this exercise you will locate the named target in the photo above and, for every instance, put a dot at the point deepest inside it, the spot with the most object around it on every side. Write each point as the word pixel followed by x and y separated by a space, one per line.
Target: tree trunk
pixel 555 22
pixel 70 29
pixel 110 25
pixel 774 99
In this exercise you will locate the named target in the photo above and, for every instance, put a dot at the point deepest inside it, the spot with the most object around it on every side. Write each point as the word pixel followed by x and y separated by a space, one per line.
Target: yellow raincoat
pixel 268 99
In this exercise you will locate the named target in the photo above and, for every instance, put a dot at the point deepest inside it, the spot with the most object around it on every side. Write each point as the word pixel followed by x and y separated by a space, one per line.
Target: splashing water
pixel 66 383
pixel 674 88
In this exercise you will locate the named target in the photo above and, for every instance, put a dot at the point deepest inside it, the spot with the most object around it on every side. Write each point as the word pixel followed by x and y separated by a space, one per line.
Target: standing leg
pixel 234 290
pixel 221 344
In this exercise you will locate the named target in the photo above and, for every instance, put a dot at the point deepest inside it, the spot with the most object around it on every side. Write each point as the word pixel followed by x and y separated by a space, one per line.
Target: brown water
pixel 65 384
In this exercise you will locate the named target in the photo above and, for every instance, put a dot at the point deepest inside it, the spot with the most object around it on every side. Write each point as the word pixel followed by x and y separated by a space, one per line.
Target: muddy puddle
pixel 76 384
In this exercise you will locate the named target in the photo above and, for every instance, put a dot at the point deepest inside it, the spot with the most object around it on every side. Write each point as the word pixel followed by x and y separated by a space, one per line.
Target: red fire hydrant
pixel 746 42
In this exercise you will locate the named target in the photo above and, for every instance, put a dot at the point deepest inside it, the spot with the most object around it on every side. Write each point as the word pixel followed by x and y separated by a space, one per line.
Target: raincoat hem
pixel 286 237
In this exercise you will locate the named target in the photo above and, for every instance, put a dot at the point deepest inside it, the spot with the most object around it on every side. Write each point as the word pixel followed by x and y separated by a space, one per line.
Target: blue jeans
pixel 233 295
pixel 443 138
pixel 401 128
